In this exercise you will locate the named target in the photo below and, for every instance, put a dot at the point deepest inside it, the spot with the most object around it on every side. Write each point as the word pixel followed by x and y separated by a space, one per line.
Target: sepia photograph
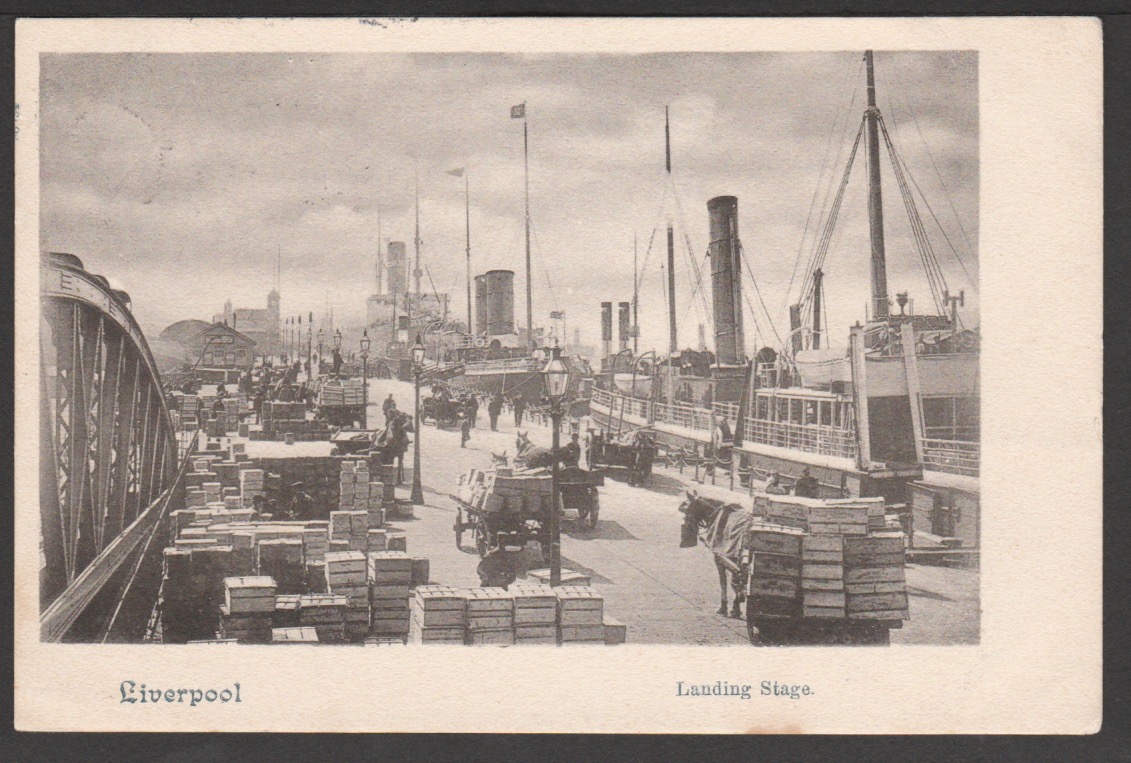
pixel 353 349
pixel 435 343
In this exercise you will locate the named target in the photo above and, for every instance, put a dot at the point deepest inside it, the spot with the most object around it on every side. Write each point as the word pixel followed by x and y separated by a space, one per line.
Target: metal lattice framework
pixel 108 447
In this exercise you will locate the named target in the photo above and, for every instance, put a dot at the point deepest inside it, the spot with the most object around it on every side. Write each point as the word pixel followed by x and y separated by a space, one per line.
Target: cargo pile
pixel 278 419
pixel 248 609
pixel 190 412
pixel 319 571
pixel 829 560
pixel 339 392
pixel 504 490
pixel 526 614
pixel 357 493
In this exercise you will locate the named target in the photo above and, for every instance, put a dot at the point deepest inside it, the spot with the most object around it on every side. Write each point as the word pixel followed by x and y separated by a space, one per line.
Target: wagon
pixel 511 530
pixel 349 442
pixel 579 492
pixel 795 630
pixel 635 458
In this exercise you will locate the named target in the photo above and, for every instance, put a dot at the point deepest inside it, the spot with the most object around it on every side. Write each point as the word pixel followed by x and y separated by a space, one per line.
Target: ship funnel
pixel 496 303
pixel 606 329
pixel 398 281
pixel 726 280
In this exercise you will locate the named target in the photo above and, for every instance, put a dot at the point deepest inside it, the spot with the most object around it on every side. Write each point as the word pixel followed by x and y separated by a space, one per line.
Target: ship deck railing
pixel 951 456
pixel 820 439
pixel 503 365
pixel 676 414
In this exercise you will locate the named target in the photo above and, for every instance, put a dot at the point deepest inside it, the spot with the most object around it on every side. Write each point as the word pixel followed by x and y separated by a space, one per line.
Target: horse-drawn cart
pixel 632 453
pixel 503 510
pixel 809 571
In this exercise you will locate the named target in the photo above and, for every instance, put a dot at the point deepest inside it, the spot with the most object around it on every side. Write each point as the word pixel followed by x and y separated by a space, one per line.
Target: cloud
pixel 184 176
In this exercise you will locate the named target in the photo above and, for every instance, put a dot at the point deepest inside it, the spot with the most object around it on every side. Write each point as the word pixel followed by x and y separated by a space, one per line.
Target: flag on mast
pixel 519 111
pixel 458 172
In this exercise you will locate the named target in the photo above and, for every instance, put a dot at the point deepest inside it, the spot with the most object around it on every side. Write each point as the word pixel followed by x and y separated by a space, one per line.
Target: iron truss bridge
pixel 111 460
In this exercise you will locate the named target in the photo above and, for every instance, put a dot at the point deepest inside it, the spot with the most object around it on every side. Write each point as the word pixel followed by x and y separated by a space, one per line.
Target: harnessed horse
pixel 726 525
pixel 530 454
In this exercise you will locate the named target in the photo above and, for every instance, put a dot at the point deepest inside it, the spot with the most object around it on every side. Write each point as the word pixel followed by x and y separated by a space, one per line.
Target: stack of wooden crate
pixel 326 613
pixel 350 528
pixel 490 616
pixel 251 485
pixel 832 560
pixel 875 581
pixel 294 636
pixel 535 614
pixel 775 570
pixel 390 578
pixel 438 615
pixel 248 609
pixel 281 559
pixel 580 615
pixel 346 576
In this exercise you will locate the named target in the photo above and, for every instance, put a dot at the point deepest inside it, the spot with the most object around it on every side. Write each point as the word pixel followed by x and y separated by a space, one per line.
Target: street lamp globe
pixel 418 353
pixel 365 342
pixel 338 339
pixel 556 376
pixel 321 336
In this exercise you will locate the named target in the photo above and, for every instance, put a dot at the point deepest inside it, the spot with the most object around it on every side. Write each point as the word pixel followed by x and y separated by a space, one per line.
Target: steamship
pixel 894 414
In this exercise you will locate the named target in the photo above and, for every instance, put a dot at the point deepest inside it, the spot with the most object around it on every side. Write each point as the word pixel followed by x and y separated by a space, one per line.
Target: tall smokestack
pixel 726 283
pixel 397 277
pixel 500 301
pixel 624 318
pixel 606 329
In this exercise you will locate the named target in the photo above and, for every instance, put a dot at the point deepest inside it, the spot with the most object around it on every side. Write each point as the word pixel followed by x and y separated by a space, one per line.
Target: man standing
pixel 571 453
pixel 473 408
pixel 519 407
pixel 807 485
pixel 494 408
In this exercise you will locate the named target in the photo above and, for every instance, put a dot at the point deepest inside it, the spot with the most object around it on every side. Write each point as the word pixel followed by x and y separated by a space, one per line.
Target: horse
pixel 499 459
pixel 530 454
pixel 726 525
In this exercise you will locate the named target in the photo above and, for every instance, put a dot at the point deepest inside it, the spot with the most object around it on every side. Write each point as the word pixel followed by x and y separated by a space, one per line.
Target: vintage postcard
pixel 580 375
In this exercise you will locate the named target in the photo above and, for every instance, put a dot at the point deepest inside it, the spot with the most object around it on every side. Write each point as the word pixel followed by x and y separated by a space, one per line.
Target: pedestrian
pixel 571 453
pixel 464 430
pixel 807 485
pixel 494 408
pixel 519 407
pixel 774 486
pixel 473 408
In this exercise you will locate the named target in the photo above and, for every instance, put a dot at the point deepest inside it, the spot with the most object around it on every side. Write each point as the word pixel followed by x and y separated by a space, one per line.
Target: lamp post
pixel 321 336
pixel 556 379
pixel 417 368
pixel 310 348
pixel 365 379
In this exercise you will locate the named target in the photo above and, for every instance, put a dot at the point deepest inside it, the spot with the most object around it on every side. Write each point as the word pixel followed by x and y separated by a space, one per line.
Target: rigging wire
pixel 935 276
pixel 821 251
pixel 821 176
pixel 938 174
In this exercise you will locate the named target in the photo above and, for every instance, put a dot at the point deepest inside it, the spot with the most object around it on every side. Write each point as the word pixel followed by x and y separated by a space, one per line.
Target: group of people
pixel 806 486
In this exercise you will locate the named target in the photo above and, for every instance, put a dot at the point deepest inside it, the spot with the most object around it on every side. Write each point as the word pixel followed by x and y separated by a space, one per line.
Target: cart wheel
pixel 594 511
pixel 481 544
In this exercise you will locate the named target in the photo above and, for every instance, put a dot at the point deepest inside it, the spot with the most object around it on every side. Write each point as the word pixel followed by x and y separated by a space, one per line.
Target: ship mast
pixel 875 200
pixel 673 344
pixel 526 201
pixel 416 245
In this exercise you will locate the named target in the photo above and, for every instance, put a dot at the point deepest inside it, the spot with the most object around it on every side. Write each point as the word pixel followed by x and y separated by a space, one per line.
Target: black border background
pixel 1112 743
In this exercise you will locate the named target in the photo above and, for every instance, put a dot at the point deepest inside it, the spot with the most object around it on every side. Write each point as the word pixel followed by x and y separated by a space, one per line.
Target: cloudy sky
pixel 180 177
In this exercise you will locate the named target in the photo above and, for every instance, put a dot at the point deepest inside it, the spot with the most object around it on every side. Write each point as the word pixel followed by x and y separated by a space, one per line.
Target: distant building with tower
pixel 262 326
